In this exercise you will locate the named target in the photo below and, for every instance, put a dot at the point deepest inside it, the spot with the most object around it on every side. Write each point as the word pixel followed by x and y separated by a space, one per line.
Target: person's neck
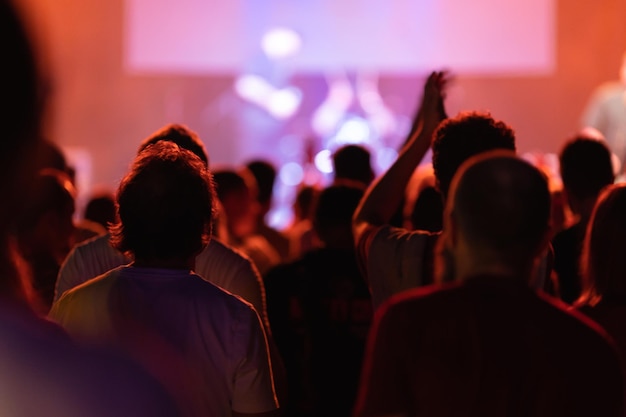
pixel 172 263
pixel 478 267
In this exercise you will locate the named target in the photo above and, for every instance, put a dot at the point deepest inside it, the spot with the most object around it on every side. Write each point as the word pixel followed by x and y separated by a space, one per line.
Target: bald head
pixel 501 204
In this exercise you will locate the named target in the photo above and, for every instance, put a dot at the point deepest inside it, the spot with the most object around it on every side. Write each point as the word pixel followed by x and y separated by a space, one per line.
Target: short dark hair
pixel 101 209
pixel 502 203
pixel 180 135
pixel 457 139
pixel 353 162
pixel 585 166
pixel 334 208
pixel 265 174
pixel 165 204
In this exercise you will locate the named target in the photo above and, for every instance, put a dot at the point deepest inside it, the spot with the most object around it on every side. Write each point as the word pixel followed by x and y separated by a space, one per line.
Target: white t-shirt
pixel 206 345
pixel 217 263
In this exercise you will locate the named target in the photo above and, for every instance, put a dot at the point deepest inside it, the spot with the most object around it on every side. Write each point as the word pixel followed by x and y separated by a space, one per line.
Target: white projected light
pixel 280 43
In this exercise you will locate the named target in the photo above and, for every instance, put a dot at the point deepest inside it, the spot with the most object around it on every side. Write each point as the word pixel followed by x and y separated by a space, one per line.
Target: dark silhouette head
pixel 603 264
pixel 101 209
pixel 332 218
pixel 459 138
pixel 353 162
pixel 236 191
pixel 46 223
pixel 265 174
pixel 586 168
pixel 165 205
pixel 180 135
pixel 501 206
pixel 427 212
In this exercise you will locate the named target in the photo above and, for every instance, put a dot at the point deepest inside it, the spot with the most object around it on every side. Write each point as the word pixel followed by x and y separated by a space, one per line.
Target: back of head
pixel 332 218
pixel 229 181
pixel 52 191
pixel 165 204
pixel 353 162
pixel 603 264
pixel 180 135
pixel 586 167
pixel 101 209
pixel 502 205
pixel 459 138
pixel 265 174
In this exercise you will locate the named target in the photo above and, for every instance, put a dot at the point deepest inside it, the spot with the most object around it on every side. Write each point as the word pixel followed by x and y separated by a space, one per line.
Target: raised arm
pixel 385 193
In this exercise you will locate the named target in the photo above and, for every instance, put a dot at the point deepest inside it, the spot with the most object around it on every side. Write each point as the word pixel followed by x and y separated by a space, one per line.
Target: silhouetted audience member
pixel 49 155
pixel 423 205
pixel 585 166
pixel 236 192
pixel 353 162
pixel 300 231
pixel 100 209
pixel 320 311
pixel 46 231
pixel 265 174
pixel 488 344
pixel 44 373
pixel 396 259
pixel 427 212
pixel 217 354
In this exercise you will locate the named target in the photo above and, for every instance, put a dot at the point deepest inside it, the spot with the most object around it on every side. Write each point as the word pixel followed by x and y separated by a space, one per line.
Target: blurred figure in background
pixel 320 311
pixel 100 209
pixel 586 168
pixel 237 191
pixel 603 267
pixel 265 174
pixel 353 163
pixel 46 231
pixel 606 113
pixel 300 231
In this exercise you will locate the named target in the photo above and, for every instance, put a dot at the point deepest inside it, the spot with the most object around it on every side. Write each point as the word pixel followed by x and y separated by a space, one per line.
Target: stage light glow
pixel 385 157
pixel 253 88
pixel 281 42
pixel 291 174
pixel 283 103
pixel 323 161
pixel 353 130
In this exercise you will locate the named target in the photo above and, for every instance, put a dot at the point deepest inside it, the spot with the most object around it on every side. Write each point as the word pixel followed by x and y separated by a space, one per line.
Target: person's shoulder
pixel 608 90
pixel 576 324
pixel 100 247
pixel 214 296
pixel 89 287
pixel 395 237
pixel 227 256
pixel 430 299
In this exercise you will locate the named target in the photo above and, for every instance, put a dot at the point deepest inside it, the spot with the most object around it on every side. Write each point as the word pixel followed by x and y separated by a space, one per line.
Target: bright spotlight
pixel 323 161
pixel 280 43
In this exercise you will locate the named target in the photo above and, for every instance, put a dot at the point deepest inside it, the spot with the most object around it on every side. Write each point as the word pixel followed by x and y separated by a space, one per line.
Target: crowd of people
pixel 463 288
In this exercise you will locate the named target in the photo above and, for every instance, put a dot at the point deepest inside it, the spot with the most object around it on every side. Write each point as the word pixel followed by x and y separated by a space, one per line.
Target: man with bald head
pixel 487 344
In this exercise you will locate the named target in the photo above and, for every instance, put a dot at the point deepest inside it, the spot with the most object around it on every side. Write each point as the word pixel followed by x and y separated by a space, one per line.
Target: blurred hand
pixel 432 107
